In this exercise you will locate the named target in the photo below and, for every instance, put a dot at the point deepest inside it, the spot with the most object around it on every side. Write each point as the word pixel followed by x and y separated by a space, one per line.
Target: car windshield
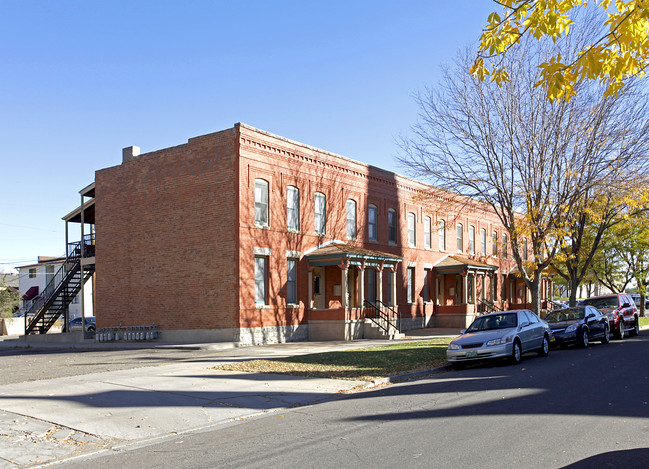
pixel 607 302
pixel 565 315
pixel 494 321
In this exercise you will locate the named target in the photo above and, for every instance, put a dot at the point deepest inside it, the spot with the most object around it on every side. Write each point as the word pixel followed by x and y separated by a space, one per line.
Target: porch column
pixel 379 283
pixel 361 286
pixel 310 299
pixel 393 276
pixel 465 284
pixel 343 287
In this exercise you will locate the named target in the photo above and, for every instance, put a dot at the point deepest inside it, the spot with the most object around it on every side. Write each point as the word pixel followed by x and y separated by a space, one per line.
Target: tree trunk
pixel 535 290
pixel 574 285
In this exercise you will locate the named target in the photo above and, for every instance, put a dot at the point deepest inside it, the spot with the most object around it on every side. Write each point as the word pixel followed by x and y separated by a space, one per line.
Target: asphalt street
pixel 576 408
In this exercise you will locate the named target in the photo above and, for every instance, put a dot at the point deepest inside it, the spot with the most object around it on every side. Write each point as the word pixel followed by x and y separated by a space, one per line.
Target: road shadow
pixel 628 459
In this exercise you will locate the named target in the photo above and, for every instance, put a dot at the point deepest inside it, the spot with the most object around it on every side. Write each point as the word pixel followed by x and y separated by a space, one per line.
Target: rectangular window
pixel 319 210
pixel 392 226
pixel 441 231
pixel 292 208
pixel 493 280
pixel 411 229
pixel 388 297
pixel 261 202
pixel 371 285
pixel 494 244
pixel 411 284
pixel 32 273
pixel 504 246
pixel 351 219
pixel 427 232
pixel 291 281
pixel 371 223
pixel 483 242
pixel 460 236
pixel 261 269
pixel 472 240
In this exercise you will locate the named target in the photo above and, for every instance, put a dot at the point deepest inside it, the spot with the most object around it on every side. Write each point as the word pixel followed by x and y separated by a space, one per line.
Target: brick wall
pixel 167 237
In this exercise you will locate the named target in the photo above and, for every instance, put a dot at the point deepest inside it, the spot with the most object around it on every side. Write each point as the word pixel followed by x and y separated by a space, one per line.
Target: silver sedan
pixel 507 334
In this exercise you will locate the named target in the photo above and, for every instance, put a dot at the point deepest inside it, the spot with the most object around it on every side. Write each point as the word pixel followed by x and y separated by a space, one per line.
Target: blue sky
pixel 80 80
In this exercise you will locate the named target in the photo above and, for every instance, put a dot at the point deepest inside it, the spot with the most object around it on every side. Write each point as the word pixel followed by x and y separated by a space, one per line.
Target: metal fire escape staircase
pixel 58 294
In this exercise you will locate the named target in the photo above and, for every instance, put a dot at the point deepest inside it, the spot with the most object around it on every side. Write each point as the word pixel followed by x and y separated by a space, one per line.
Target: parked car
pixel 75 324
pixel 506 334
pixel 620 310
pixel 636 299
pixel 579 325
pixel 558 304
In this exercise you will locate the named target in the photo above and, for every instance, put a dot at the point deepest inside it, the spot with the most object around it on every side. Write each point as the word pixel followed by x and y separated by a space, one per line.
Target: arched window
pixel 411 229
pixel 261 202
pixel 441 232
pixel 351 219
pixel 371 222
pixel 427 232
pixel 460 237
pixel 472 240
pixel 392 226
pixel 320 213
pixel 483 242
pixel 292 208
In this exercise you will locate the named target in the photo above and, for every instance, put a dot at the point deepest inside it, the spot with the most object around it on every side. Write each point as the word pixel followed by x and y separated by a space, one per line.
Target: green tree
pixel 9 299
pixel 619 51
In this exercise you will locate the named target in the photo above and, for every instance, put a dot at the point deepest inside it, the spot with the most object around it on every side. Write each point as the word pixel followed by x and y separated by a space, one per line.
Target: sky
pixel 80 80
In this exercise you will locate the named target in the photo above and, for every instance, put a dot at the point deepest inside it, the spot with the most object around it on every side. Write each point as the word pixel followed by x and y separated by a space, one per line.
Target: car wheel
pixel 545 348
pixel 619 333
pixel 91 329
pixel 607 336
pixel 636 328
pixel 583 338
pixel 516 352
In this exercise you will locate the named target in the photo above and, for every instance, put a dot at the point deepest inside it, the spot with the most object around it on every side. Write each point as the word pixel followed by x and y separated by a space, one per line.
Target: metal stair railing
pixel 384 316
pixel 486 307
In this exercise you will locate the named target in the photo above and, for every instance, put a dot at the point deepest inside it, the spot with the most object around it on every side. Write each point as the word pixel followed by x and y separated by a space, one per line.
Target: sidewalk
pixel 60 418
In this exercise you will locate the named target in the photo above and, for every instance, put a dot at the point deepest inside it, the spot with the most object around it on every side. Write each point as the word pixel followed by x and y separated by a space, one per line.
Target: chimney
pixel 129 153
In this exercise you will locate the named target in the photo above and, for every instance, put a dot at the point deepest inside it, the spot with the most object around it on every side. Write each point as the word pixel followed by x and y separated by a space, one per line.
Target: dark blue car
pixel 579 324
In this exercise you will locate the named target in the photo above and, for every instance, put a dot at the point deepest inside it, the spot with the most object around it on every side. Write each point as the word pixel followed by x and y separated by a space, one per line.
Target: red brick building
pixel 247 236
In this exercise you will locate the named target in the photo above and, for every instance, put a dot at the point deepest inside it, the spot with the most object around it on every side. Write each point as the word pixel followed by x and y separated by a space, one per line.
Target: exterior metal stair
pixel 57 296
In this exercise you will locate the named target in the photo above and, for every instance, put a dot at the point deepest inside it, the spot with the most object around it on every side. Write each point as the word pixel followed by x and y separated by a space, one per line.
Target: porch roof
pixel 337 253
pixel 458 265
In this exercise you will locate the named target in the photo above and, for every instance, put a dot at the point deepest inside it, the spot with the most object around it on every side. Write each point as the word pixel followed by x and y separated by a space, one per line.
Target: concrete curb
pixel 409 376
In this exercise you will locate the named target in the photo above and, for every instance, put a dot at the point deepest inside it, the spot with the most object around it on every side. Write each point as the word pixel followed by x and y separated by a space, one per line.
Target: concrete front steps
pixel 372 331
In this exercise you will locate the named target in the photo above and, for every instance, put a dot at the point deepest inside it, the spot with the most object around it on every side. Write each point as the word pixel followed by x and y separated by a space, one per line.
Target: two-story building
pixel 247 236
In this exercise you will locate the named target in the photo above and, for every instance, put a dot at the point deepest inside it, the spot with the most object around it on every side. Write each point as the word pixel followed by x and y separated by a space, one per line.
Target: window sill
pixel 292 306
pixel 262 227
pixel 260 306
pixel 292 230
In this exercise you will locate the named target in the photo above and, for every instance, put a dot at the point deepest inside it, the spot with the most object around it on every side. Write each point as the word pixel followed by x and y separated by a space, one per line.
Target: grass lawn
pixel 363 364
pixel 643 321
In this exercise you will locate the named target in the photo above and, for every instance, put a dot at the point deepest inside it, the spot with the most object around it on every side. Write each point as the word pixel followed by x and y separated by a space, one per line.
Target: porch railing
pixel 384 316
pixel 486 307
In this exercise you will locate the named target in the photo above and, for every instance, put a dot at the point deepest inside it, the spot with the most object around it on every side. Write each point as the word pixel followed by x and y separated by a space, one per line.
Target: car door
pixel 595 321
pixel 537 328
pixel 525 331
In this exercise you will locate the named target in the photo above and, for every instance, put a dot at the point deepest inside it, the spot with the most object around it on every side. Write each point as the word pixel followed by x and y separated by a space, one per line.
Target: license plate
pixel 552 339
pixel 471 354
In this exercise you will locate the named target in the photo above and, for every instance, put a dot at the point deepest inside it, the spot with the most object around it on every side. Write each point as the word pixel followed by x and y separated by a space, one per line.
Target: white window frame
pixel 261 280
pixel 412 223
pixel 472 240
pixel 427 236
pixel 320 217
pixel 441 234
pixel 292 208
pixel 291 281
pixel 262 212
pixel 459 236
pixel 483 242
pixel 350 209
pixel 392 226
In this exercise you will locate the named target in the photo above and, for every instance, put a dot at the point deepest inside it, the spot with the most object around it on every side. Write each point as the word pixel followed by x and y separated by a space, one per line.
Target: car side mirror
pixel 463 331
pixel 590 316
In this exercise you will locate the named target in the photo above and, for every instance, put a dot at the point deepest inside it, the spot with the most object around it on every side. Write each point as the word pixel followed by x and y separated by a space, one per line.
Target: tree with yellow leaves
pixel 619 51
pixel 533 161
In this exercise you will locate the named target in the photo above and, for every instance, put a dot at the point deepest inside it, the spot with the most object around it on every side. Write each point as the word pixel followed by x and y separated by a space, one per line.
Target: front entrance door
pixel 319 288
